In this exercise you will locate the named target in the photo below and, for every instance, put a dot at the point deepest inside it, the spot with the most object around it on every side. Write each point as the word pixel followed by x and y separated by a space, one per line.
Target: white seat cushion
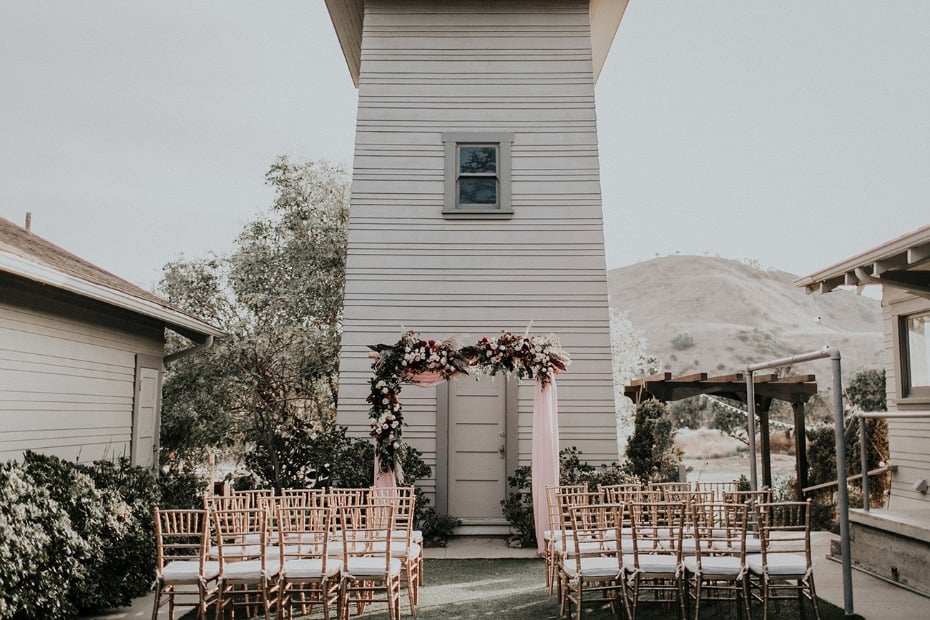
pixel 371 567
pixel 602 568
pixel 310 569
pixel 188 571
pixel 250 570
pixel 781 564
pixel 652 563
pixel 727 566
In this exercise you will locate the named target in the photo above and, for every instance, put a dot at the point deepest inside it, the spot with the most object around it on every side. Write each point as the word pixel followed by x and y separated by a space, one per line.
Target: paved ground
pixel 483 578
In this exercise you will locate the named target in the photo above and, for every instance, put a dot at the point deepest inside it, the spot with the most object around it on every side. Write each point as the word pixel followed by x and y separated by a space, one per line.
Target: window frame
pixel 452 141
pixel 908 392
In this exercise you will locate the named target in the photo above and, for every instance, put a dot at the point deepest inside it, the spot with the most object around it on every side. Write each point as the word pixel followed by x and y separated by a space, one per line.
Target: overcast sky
pixel 796 134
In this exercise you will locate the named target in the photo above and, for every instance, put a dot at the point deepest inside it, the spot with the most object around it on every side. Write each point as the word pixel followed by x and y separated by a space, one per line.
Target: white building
pixel 476 207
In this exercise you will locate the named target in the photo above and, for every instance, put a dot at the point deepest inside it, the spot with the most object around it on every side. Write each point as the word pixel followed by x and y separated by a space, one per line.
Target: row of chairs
pixel 295 550
pixel 633 544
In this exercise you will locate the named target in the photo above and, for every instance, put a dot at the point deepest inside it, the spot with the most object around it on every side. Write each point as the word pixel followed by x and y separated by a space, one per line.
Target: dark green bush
pixel 651 452
pixel 517 507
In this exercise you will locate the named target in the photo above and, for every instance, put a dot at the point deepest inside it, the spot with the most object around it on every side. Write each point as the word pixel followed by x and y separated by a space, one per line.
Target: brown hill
pixel 737 314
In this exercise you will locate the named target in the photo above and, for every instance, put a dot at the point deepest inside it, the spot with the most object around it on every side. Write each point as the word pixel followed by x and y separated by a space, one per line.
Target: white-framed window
pixel 477 175
pixel 914 343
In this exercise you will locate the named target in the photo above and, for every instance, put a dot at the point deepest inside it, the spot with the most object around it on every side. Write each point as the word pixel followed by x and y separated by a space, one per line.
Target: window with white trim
pixel 477 175
pixel 915 353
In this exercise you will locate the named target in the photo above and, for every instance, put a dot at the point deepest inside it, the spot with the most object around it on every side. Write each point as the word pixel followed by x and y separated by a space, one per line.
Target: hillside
pixel 738 314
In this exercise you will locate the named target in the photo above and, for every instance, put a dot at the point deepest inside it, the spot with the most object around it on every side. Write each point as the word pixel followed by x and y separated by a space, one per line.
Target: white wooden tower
pixel 476 207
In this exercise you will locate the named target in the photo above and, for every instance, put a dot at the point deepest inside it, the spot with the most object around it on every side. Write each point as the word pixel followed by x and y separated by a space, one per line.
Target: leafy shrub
pixel 41 556
pixel 437 528
pixel 651 452
pixel 683 341
pixel 517 507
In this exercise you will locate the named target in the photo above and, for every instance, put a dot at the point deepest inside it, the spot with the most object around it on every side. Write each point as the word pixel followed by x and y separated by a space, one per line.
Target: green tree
pixel 278 296
pixel 651 452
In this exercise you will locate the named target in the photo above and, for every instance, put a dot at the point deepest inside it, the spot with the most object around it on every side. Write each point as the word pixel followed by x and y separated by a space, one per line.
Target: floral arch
pixel 415 361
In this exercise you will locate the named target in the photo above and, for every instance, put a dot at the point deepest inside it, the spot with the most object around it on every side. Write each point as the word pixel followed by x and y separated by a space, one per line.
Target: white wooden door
pixel 477 448
pixel 145 413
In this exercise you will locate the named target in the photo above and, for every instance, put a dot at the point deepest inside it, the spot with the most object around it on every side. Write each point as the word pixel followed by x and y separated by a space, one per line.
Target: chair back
pixel 719 530
pixel 181 535
pixel 304 533
pixel 241 535
pixel 718 488
pixel 253 496
pixel 225 502
pixel 621 493
pixel 784 528
pixel 670 491
pixel 596 533
pixel 657 528
pixel 366 534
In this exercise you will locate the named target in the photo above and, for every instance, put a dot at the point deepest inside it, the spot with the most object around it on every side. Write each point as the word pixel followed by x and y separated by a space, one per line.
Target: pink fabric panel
pixel 383 478
pixel 426 379
pixel 545 454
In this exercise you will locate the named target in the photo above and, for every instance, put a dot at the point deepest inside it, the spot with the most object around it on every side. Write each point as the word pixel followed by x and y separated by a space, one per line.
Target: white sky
pixel 793 133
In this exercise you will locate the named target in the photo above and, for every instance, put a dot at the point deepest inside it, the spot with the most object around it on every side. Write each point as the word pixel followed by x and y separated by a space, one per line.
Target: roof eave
pixel 348 21
pixel 901 253
pixel 177 321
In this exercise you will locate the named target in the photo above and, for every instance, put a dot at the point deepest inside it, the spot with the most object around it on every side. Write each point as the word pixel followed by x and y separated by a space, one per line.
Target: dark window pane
pixel 918 350
pixel 478 159
pixel 477 191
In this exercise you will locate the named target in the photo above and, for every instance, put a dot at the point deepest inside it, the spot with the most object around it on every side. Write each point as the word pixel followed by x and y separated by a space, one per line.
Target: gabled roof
pixel 348 17
pixel 903 262
pixel 29 256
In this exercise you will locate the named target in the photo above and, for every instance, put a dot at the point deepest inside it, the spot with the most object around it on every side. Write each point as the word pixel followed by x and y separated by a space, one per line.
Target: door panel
pixel 477 441
pixel 145 412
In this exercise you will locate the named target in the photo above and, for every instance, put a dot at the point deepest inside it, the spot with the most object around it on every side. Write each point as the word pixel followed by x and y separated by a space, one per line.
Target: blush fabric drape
pixel 545 454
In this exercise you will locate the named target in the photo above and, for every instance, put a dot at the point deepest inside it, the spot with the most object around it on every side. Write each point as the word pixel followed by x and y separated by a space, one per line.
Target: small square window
pixel 477 175
pixel 915 353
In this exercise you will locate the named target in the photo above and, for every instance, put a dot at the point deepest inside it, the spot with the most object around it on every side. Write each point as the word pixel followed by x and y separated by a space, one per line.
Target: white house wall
pixel 67 378
pixel 908 439
pixel 522 67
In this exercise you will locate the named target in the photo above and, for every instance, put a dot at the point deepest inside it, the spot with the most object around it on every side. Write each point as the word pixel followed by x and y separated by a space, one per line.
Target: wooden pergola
pixel 796 390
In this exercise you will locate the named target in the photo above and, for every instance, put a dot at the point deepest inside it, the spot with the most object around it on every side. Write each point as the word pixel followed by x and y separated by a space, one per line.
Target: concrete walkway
pixel 873 598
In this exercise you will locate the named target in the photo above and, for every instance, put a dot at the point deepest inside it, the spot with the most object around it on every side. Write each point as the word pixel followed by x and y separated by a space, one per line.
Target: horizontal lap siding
pixel 67 378
pixel 521 67
pixel 908 439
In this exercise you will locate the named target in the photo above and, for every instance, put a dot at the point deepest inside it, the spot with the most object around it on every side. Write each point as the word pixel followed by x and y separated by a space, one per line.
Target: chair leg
pixel 813 593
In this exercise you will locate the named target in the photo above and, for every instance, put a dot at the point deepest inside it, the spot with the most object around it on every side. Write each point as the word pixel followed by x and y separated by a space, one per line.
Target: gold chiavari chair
pixel 784 561
pixel 303 497
pixel 717 569
pixel 553 535
pixel 596 564
pixel 182 568
pixel 253 496
pixel 370 569
pixel 718 488
pixel 308 575
pixel 248 572
pixel 670 491
pixel 406 549
pixel 654 565
pixel 568 497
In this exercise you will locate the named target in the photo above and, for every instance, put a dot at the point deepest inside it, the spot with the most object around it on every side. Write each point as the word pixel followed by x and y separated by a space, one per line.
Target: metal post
pixel 842 494
pixel 864 461
pixel 751 418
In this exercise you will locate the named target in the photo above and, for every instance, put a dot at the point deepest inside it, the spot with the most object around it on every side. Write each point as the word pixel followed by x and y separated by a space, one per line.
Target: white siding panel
pixel 908 439
pixel 66 378
pixel 518 66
